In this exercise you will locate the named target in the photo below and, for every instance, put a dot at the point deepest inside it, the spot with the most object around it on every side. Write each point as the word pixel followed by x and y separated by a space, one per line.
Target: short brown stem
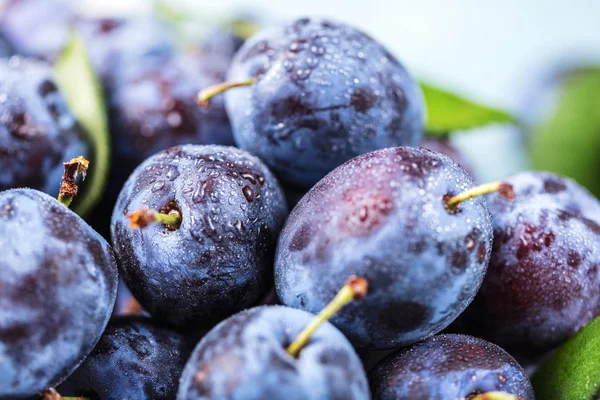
pixel 144 217
pixel 68 187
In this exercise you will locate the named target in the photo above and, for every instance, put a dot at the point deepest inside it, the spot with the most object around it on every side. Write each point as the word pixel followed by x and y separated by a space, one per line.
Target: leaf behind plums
pixel 83 93
pixel 448 112
pixel 573 372
pixel 565 135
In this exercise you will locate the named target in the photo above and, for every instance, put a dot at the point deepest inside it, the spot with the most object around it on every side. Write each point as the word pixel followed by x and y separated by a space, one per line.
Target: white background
pixel 490 50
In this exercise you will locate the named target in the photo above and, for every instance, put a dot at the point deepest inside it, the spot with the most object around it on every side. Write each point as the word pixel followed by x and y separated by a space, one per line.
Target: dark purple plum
pixel 449 367
pixel 443 146
pixel 155 107
pixel 219 259
pixel 324 93
pixel 118 47
pixel 135 359
pixel 37 28
pixel 543 282
pixel 152 96
pixel 37 130
pixel 383 216
pixel 58 283
pixel 245 357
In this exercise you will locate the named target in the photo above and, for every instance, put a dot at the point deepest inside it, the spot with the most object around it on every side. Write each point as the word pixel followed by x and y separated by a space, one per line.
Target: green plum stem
pixel 503 188
pixel 205 95
pixel 354 289
pixel 494 396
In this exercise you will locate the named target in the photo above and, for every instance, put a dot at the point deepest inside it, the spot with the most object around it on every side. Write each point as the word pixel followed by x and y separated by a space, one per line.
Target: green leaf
pixel 83 93
pixel 573 372
pixel 448 112
pixel 566 139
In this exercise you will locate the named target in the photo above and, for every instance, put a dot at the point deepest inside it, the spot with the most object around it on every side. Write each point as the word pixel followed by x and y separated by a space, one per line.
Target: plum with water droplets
pixel 218 258
pixel 543 282
pixel 58 283
pixel 245 357
pixel 323 93
pixel 383 215
pixel 37 130
pixel 135 359
pixel 449 367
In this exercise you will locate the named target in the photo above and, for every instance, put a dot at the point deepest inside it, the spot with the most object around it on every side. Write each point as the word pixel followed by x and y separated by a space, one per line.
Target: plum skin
pixel 219 260
pixel 37 130
pixel 325 92
pixel 135 359
pixel 448 366
pixel 245 357
pixel 59 282
pixel 382 216
pixel 543 282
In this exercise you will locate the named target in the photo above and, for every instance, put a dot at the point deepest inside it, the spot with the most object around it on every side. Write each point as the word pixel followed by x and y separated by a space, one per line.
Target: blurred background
pixel 515 56
pixel 498 53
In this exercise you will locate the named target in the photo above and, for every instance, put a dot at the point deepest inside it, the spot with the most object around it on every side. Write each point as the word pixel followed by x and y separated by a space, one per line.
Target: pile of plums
pixel 202 238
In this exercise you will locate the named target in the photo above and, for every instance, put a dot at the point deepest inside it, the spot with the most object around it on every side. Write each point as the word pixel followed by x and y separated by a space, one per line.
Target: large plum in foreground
pixel 245 357
pixel 58 281
pixel 383 216
pixel 219 259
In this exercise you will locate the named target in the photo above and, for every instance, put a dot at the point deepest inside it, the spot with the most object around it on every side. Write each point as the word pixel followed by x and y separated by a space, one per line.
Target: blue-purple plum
pixel 135 359
pixel 58 283
pixel 37 130
pixel 220 258
pixel 324 93
pixel 449 367
pixel 245 357
pixel 382 216
pixel 543 282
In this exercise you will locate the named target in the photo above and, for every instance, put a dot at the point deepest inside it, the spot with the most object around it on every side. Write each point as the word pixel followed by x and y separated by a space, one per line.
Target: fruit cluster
pixel 395 276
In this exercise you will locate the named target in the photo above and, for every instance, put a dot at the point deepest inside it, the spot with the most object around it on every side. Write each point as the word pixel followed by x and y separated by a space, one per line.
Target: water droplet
pixel 158 186
pixel 248 193
pixel 172 174
pixel 288 65
pixel 249 177
pixel 312 61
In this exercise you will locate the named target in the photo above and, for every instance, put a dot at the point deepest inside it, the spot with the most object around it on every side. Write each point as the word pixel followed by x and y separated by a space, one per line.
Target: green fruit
pixel 566 139
pixel 573 372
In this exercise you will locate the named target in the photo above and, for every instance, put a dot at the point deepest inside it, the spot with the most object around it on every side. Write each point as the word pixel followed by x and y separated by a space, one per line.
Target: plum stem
pixel 494 396
pixel 503 188
pixel 68 187
pixel 145 217
pixel 52 394
pixel 205 95
pixel 354 289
